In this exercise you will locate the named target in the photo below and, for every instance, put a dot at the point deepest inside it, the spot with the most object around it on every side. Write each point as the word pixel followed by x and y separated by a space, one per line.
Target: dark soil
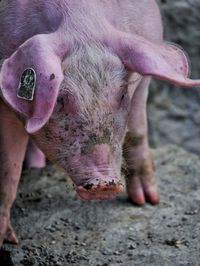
pixel 55 227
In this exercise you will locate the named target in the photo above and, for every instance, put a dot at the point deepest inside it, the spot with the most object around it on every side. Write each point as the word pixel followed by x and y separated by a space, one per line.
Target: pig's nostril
pixel 102 190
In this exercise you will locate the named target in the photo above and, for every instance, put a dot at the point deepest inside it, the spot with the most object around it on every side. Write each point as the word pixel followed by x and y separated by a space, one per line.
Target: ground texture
pixel 174 112
pixel 55 227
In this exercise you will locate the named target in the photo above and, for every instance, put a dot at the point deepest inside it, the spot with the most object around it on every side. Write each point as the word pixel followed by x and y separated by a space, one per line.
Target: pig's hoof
pixel 99 191
pixel 7 233
pixel 140 191
pixel 10 236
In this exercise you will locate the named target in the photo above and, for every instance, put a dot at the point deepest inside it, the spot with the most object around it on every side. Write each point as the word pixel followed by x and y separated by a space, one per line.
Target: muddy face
pixel 86 131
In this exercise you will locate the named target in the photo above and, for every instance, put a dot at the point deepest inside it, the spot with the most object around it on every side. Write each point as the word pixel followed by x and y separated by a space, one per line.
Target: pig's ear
pixel 162 60
pixel 34 66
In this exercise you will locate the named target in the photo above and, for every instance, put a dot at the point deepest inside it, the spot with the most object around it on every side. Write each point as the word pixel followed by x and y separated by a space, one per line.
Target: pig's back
pixel 141 17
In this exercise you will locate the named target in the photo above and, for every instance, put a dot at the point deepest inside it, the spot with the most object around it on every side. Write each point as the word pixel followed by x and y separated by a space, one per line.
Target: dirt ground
pixel 174 111
pixel 55 227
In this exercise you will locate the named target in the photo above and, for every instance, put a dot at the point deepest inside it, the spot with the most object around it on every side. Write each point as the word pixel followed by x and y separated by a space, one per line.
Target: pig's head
pixel 88 124
pixel 80 108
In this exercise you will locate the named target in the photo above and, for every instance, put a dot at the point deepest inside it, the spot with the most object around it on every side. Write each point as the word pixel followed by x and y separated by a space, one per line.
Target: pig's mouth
pixel 101 191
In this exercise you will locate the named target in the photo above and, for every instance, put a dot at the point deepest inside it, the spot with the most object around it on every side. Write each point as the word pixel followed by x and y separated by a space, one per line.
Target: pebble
pixel 132 247
pixel 117 253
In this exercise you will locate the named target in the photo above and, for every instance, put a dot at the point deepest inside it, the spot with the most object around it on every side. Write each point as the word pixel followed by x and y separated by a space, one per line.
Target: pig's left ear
pixel 162 60
pixel 34 66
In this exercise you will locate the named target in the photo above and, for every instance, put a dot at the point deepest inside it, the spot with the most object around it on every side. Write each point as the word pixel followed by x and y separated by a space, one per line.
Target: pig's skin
pixel 13 141
pixel 34 157
pixel 88 47
pixel 22 19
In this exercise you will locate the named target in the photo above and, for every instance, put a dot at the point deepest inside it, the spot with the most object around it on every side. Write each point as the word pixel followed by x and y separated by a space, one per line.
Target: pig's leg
pixel 140 179
pixel 34 157
pixel 13 142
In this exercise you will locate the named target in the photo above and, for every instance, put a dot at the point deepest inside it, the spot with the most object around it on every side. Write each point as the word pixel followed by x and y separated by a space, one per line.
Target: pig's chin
pixel 102 190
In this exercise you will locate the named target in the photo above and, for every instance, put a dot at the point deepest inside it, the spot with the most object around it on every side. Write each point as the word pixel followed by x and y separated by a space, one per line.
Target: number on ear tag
pixel 27 84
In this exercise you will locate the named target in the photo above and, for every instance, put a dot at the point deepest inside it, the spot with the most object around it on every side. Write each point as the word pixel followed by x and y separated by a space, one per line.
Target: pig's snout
pixel 103 179
pixel 102 190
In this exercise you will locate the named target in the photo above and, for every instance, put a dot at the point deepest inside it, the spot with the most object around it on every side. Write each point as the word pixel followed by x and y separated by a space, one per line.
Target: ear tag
pixel 27 84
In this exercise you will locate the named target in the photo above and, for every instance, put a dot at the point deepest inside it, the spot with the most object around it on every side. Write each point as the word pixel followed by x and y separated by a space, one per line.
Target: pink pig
pixel 93 62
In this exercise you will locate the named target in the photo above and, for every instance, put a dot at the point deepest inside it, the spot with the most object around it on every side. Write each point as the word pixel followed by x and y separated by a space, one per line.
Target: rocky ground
pixel 55 227
pixel 174 112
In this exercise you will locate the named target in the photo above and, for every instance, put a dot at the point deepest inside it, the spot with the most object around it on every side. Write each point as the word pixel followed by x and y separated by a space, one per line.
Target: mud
pixel 55 227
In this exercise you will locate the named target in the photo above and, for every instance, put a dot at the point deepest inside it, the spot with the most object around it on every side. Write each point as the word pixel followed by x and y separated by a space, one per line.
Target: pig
pixel 34 157
pixel 90 64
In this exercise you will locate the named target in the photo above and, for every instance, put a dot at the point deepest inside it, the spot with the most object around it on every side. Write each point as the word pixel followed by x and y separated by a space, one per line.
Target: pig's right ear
pixel 162 60
pixel 34 64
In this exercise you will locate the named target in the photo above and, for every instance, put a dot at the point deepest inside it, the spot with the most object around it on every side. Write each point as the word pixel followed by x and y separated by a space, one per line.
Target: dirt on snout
pixel 57 228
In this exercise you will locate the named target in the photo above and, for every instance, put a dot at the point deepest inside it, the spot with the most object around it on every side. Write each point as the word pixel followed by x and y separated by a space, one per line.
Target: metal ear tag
pixel 27 84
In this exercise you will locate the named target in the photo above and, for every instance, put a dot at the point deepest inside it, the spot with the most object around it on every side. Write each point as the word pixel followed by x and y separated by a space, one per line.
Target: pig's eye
pixel 124 95
pixel 124 101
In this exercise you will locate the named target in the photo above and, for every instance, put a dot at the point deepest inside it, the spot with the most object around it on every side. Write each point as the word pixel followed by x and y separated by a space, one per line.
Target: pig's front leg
pixel 34 157
pixel 140 179
pixel 13 142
